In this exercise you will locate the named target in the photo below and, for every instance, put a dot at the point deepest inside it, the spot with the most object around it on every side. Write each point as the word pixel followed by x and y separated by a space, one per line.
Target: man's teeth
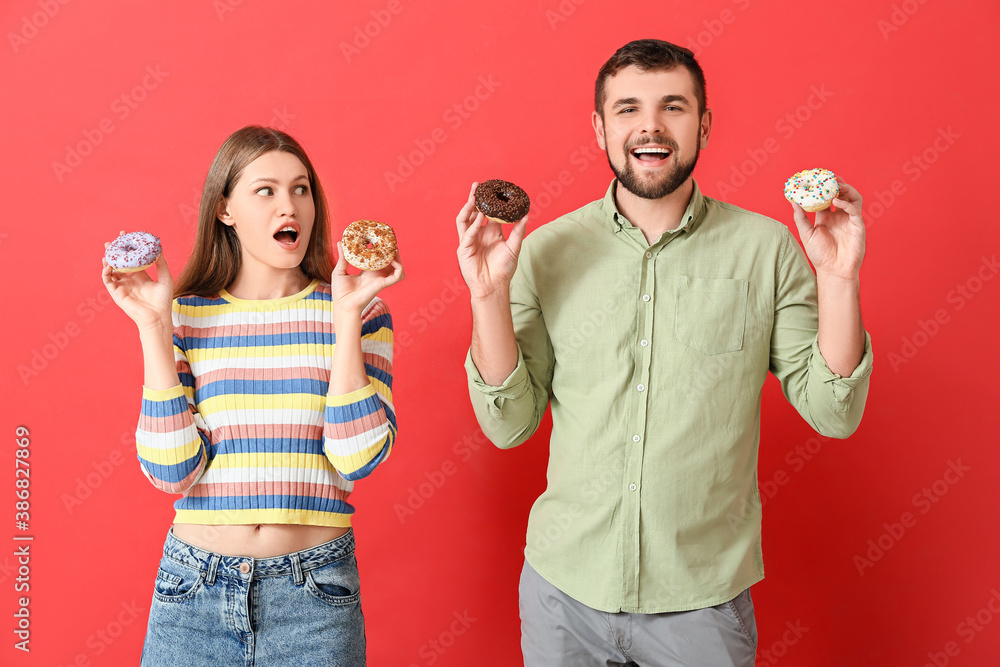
pixel 651 150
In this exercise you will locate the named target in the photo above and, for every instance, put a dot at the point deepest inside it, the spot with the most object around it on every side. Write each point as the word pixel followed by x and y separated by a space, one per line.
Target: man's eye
pixel 266 190
pixel 627 110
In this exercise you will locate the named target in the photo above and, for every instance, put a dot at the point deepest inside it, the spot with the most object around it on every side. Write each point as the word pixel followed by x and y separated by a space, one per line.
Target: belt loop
pixel 213 567
pixel 296 569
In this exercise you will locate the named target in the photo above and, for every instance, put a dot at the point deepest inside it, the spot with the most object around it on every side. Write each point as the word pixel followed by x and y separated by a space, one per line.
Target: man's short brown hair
pixel 651 55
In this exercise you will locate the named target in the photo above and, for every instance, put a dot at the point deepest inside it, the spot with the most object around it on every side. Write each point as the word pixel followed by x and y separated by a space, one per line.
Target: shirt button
pixel 244 567
pixel 645 297
pixel 636 438
pixel 631 487
pixel 641 387
pixel 644 342
pixel 648 255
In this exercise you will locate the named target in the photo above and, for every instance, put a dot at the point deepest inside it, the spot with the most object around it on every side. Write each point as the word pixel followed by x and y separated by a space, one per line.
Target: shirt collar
pixel 693 214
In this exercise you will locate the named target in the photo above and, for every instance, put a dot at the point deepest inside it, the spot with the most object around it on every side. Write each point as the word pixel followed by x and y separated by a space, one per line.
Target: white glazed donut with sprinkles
pixel 133 252
pixel 812 189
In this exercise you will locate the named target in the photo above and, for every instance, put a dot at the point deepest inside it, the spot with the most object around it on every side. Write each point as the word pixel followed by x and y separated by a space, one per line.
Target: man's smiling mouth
pixel 651 153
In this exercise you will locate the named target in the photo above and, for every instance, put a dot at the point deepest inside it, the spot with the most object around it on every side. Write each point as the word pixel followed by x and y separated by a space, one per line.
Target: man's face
pixel 650 129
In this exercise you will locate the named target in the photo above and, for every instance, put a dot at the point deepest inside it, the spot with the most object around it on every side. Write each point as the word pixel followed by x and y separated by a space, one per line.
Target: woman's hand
pixel 143 299
pixel 351 293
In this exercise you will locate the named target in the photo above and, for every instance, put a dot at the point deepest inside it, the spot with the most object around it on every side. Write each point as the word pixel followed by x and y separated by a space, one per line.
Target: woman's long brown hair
pixel 216 258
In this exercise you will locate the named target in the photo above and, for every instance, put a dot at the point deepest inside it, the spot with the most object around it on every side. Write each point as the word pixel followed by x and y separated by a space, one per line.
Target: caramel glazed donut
pixel 812 189
pixel 369 245
pixel 501 201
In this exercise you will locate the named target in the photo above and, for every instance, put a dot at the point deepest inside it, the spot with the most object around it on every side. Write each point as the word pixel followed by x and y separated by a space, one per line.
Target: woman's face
pixel 271 208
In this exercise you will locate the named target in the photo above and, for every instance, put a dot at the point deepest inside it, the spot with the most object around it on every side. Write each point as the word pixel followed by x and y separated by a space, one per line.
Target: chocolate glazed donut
pixel 502 201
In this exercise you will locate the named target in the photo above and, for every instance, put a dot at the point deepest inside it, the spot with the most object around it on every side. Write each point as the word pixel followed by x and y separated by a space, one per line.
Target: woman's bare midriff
pixel 257 540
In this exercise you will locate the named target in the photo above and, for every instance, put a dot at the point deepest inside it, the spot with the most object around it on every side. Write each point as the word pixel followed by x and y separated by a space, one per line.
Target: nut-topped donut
pixel 502 201
pixel 812 189
pixel 369 245
pixel 133 252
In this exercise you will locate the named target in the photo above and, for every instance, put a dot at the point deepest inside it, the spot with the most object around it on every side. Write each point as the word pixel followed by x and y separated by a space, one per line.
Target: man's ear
pixel 706 128
pixel 599 130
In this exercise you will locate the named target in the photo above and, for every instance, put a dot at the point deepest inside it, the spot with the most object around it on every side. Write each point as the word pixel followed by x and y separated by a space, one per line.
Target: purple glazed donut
pixel 132 252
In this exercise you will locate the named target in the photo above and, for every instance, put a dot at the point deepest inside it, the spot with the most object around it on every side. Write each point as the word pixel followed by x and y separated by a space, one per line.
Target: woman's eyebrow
pixel 269 179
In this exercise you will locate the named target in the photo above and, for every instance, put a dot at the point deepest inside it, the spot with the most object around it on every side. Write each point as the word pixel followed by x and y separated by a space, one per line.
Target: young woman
pixel 267 392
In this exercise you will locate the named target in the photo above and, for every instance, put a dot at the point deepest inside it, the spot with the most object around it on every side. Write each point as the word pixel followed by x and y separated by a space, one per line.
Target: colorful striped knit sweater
pixel 251 434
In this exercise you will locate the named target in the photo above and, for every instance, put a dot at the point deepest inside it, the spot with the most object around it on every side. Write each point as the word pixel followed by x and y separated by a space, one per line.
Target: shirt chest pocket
pixel 710 313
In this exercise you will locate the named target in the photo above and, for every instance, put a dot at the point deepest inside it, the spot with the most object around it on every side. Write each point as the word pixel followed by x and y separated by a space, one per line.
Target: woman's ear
pixel 222 212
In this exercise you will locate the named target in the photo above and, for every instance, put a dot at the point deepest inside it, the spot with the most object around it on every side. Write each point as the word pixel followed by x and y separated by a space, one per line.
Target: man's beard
pixel 672 180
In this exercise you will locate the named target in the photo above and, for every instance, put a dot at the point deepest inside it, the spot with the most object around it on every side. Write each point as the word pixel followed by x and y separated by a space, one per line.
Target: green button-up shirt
pixel 653 358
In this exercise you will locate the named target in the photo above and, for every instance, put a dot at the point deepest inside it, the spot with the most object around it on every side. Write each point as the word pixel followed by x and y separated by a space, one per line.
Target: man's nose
pixel 652 123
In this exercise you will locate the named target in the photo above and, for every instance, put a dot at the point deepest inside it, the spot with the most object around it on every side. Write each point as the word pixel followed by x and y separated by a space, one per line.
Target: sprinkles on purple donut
pixel 132 252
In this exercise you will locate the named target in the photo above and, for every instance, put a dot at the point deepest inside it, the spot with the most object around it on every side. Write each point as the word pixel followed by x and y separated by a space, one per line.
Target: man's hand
pixel 487 260
pixel 835 244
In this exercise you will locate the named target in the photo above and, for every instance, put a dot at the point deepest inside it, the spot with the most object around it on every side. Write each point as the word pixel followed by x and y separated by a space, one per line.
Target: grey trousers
pixel 556 630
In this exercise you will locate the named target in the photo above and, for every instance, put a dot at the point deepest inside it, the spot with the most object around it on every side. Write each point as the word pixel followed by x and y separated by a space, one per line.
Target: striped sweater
pixel 251 434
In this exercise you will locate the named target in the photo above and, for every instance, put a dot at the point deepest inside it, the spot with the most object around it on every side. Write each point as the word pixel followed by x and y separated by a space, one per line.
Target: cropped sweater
pixel 252 434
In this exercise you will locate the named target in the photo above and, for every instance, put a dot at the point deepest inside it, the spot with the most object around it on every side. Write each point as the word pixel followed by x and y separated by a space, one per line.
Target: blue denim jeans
pixel 299 609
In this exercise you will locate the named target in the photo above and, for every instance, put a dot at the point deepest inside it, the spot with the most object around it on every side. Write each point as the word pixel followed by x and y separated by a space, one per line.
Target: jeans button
pixel 244 567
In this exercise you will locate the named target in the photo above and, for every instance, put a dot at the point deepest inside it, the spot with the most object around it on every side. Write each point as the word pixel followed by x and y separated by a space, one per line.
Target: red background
pixel 898 82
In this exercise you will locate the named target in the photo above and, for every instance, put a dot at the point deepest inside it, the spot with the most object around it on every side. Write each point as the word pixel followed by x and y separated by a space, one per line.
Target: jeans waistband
pixel 294 564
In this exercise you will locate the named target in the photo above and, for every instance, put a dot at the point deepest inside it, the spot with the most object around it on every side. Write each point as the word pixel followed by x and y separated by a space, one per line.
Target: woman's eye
pixel 265 191
pixel 301 189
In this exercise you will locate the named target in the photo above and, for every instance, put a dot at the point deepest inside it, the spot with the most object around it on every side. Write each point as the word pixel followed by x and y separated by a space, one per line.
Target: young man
pixel 649 320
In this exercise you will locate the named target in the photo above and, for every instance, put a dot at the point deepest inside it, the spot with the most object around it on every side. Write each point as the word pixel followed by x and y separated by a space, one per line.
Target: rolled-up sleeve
pixel 832 404
pixel 510 413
